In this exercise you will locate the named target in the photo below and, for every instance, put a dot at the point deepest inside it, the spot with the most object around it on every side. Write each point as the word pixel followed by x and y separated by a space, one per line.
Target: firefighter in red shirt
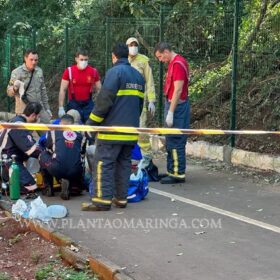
pixel 82 81
pixel 176 111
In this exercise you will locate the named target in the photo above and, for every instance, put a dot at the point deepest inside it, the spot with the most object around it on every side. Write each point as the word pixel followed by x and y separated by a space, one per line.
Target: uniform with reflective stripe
pixel 21 144
pixel 119 103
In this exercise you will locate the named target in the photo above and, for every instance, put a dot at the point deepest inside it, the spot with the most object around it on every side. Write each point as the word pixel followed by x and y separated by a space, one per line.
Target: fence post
pixel 108 30
pixel 234 71
pixel 66 34
pixel 7 65
pixel 161 38
pixel 34 38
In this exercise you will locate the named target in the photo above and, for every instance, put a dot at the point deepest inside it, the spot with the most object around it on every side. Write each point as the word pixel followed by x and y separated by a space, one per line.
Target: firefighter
pixel 176 111
pixel 82 81
pixel 119 103
pixel 141 63
pixel 21 143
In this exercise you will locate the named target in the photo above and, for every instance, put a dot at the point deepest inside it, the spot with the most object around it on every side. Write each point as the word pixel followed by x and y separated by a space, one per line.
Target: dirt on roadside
pixel 23 252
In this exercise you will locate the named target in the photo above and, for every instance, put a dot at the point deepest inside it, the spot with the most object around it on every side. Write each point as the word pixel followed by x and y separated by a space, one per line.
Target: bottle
pixel 14 180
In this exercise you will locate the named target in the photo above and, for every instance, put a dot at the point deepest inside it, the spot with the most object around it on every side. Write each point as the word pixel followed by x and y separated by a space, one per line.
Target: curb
pixel 205 150
pixel 227 154
pixel 104 268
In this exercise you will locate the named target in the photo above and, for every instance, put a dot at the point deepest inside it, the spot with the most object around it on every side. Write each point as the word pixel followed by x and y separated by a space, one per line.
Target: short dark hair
pixel 120 50
pixel 162 46
pixel 32 108
pixel 29 51
pixel 81 51
pixel 67 118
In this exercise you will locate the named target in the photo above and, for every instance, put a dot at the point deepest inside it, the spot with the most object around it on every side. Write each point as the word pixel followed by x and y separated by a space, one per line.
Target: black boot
pixel 172 180
pixel 47 183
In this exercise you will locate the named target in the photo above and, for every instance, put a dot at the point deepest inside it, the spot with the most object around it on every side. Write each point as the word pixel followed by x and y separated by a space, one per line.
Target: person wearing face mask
pixel 81 81
pixel 141 63
pixel 27 85
pixel 119 103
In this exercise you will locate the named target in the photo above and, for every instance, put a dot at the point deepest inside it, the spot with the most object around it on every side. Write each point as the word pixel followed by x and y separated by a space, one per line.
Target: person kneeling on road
pixel 63 160
pixel 21 143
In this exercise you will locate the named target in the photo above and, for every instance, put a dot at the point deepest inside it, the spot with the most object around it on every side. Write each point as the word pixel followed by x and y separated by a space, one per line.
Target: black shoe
pixel 93 207
pixel 162 175
pixel 120 203
pixel 65 192
pixel 172 180
pixel 31 196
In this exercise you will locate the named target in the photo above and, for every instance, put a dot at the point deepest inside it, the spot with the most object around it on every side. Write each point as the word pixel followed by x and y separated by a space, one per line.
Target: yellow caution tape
pixel 134 130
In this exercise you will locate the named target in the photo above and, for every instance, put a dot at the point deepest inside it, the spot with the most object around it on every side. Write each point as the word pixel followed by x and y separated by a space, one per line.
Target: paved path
pixel 219 226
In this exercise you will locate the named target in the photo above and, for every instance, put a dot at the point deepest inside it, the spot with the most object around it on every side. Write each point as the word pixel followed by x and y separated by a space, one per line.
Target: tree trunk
pixel 260 20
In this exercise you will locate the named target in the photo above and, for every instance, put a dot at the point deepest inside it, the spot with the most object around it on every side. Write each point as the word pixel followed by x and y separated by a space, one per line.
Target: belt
pixel 179 102
pixel 81 102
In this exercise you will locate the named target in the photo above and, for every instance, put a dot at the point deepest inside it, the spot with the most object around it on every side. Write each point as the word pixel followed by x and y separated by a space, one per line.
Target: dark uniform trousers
pixel 176 144
pixel 112 167
pixel 51 168
pixel 83 107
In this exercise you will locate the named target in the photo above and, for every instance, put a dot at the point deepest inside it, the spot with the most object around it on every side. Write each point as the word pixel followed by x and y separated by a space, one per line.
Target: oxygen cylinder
pixel 14 180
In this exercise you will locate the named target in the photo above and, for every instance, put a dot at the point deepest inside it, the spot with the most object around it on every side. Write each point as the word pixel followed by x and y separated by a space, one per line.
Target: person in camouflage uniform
pixel 27 85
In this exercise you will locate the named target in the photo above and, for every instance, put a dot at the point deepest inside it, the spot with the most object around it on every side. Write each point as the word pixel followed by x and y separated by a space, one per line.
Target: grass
pixel 62 273
pixel 4 276
pixel 35 258
pixel 15 239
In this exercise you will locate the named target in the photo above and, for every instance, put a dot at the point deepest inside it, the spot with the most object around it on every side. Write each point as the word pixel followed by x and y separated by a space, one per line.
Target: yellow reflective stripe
pixel 175 161
pixel 99 175
pixel 122 137
pixel 134 92
pixel 100 200
pixel 182 176
pixel 95 118
pixel 151 96
pixel 144 144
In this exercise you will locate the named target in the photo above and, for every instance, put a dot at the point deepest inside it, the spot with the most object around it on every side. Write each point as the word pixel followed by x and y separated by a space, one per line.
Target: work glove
pixel 49 112
pixel 169 119
pixel 152 108
pixel 91 150
pixel 61 112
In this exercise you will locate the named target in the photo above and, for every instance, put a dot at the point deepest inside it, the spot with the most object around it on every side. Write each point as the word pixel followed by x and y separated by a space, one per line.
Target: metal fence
pixel 208 45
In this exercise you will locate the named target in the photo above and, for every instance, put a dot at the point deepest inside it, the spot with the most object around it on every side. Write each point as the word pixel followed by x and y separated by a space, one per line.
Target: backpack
pixel 152 171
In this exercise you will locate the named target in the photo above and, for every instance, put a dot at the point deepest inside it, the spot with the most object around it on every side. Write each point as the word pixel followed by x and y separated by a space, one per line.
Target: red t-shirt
pixel 82 82
pixel 178 70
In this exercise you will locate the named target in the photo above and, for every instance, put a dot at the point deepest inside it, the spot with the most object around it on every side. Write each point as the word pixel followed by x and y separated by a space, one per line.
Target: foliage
pixel 4 276
pixel 62 273
pixel 201 30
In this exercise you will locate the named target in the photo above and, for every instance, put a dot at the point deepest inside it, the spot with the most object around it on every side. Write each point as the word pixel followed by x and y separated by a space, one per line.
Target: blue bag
pixel 138 186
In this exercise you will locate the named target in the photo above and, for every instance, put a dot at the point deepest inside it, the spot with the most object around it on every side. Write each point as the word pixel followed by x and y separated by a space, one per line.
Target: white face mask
pixel 82 64
pixel 133 50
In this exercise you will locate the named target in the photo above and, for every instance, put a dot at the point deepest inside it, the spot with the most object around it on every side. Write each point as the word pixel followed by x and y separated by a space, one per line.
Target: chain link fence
pixel 207 44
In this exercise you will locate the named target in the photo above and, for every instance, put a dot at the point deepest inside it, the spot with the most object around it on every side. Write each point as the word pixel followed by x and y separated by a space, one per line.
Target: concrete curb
pixel 105 269
pixel 205 150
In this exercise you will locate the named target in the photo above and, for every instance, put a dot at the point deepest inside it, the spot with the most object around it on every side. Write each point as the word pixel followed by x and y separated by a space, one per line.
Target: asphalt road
pixel 217 225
